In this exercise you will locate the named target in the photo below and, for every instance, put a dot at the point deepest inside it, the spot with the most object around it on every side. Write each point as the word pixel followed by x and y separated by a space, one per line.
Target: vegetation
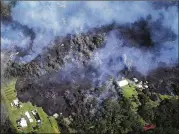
pixel 48 123
pixel 166 116
pixel 128 114
pixel 129 91
pixel 115 117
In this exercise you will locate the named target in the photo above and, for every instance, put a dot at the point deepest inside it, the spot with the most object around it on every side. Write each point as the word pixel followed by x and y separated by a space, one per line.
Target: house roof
pixel 56 115
pixel 16 101
pixel 28 116
pixel 23 122
pixel 122 83
pixel 135 79
pixel 148 127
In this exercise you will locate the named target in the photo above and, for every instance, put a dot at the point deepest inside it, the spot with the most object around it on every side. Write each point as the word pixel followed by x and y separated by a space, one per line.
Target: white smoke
pixel 50 19
pixel 115 56
pixel 11 37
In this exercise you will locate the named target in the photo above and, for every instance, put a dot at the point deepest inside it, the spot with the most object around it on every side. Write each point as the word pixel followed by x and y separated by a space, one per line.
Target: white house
pixel 36 115
pixel 146 86
pixel 23 122
pixel 33 112
pixel 12 104
pixel 139 86
pixel 55 115
pixel 28 116
pixel 135 80
pixel 122 83
pixel 16 102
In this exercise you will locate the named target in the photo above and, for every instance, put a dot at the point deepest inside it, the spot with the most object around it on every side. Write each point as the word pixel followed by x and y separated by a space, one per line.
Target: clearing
pixel 48 123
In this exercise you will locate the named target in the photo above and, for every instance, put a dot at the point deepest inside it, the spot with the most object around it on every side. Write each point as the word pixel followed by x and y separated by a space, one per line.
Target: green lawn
pixel 129 91
pixel 48 123
pixel 131 94
pixel 162 97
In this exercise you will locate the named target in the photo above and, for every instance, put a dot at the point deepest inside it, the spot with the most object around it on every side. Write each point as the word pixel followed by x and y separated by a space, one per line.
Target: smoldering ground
pixel 146 38
pixel 50 19
pixel 75 77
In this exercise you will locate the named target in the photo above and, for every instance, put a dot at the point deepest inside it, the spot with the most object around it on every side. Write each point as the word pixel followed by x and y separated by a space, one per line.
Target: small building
pixel 139 86
pixel 12 104
pixel 36 116
pixel 55 115
pixel 22 122
pixel 149 127
pixel 122 83
pixel 28 116
pixel 135 80
pixel 146 86
pixel 16 102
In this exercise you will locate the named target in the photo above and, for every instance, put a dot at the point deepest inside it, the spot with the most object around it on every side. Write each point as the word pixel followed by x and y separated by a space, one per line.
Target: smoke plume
pixel 50 19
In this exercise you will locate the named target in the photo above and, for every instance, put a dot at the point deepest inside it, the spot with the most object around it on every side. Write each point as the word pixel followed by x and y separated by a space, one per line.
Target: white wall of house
pixel 28 116
pixel 23 122
pixel 122 83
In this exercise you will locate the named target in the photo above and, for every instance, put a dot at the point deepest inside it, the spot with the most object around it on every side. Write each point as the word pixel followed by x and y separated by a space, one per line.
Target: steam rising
pixel 51 19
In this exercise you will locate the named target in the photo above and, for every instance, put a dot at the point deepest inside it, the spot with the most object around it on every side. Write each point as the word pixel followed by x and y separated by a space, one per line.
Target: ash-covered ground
pixel 75 72
pixel 54 77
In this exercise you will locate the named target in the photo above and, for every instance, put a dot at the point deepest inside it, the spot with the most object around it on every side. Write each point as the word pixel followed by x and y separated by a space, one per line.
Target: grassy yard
pixel 48 123
pixel 162 97
pixel 129 91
